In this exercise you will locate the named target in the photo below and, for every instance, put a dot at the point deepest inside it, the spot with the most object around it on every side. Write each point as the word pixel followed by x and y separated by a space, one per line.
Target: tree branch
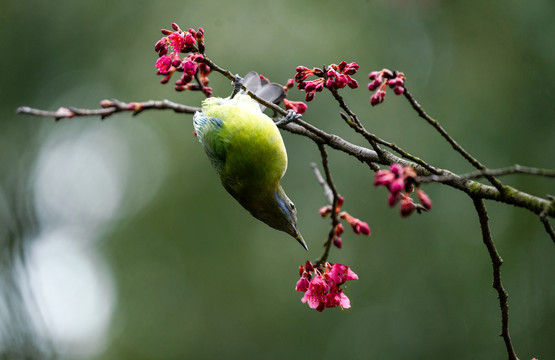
pixel 496 262
pixel 478 165
pixel 109 108
pixel 329 187
pixel 511 196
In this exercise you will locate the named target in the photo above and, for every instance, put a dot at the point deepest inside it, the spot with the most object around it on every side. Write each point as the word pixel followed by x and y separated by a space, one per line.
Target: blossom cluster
pixel 358 226
pixel 400 180
pixel 322 289
pixel 381 79
pixel 333 77
pixel 169 61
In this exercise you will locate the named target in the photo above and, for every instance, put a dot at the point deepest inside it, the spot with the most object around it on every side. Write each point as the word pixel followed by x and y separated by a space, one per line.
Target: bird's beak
pixel 300 239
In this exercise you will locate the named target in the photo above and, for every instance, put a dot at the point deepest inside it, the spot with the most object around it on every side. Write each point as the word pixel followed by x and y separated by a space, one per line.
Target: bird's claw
pixel 291 116
pixel 237 85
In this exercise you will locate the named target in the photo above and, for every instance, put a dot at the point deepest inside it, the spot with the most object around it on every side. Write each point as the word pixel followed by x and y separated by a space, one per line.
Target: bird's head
pixel 280 213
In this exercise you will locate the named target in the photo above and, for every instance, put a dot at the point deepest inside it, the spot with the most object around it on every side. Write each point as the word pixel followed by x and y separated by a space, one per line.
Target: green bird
pixel 248 153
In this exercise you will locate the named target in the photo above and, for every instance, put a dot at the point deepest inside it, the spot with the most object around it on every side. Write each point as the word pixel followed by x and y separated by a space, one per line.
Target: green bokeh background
pixel 197 278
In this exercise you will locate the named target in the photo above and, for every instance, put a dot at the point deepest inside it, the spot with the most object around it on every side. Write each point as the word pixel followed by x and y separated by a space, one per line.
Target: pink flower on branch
pixel 332 77
pixel 400 182
pixel 170 47
pixel 380 81
pixel 358 226
pixel 323 288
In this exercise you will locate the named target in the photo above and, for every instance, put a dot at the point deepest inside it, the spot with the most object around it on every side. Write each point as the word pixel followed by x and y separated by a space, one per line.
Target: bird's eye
pixel 292 206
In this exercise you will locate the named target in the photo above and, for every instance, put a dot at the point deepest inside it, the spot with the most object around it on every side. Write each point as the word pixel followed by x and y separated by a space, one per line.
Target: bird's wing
pixel 208 130
pixel 270 92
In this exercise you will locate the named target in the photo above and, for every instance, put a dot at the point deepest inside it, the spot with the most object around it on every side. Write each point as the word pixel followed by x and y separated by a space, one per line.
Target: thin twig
pixel 496 262
pixel 353 121
pixel 545 220
pixel 477 164
pixel 109 108
pixel 515 169
pixel 335 197
pixel 327 190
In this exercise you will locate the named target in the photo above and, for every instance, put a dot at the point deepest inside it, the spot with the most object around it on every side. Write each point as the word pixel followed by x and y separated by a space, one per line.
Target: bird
pixel 246 148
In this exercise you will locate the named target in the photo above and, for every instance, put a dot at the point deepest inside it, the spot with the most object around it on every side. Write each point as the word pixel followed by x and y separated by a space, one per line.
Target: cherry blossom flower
pixel 323 289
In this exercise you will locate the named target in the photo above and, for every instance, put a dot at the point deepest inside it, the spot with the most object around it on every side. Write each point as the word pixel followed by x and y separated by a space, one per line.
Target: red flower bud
pixel 297 106
pixel 407 206
pixel 352 83
pixel 339 229
pixel 424 199
pixel 325 211
pixel 364 228
pixel 289 84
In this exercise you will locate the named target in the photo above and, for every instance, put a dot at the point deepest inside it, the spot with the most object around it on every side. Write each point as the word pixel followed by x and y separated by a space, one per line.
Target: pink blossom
pixel 163 64
pixel 324 290
pixel 176 40
pixel 302 284
pixel 337 297
pixel 316 295
pixel 340 273
pixel 190 67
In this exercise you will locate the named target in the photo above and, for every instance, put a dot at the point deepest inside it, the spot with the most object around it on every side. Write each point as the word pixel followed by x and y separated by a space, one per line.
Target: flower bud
pixel 339 229
pixel 325 211
pixel 424 199
pixel 398 90
pixel 407 206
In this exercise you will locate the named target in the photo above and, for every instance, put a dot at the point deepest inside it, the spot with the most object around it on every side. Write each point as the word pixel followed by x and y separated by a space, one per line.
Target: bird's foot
pixel 237 85
pixel 290 117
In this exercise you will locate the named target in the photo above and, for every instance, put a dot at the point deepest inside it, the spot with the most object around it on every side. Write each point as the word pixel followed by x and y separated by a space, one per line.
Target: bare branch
pixel 478 165
pixel 496 262
pixel 329 185
pixel 109 107
pixel 327 190
pixel 515 169
pixel 545 220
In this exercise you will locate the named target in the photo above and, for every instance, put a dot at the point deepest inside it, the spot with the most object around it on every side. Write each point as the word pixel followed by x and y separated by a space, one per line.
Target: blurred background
pixel 118 242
